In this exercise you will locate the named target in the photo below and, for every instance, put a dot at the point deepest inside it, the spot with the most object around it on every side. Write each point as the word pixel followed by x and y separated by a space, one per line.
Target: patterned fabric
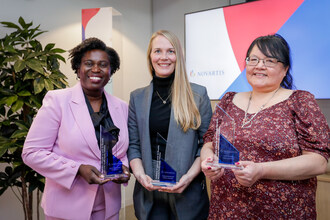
pixel 281 131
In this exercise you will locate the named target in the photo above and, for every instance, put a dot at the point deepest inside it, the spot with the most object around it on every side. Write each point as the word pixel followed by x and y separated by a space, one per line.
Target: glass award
pixel 165 174
pixel 226 153
pixel 111 166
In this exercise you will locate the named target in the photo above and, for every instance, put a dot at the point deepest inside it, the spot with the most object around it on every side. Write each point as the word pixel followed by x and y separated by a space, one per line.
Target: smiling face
pixel 94 72
pixel 162 56
pixel 264 78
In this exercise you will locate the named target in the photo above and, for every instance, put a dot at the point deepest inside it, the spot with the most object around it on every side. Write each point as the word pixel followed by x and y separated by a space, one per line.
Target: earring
pixel 77 77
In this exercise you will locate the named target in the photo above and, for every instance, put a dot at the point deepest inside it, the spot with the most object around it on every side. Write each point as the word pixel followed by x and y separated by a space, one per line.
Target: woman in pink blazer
pixel 63 141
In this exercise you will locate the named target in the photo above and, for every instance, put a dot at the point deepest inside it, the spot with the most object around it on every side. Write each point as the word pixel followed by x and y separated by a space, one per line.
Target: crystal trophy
pixel 226 153
pixel 111 166
pixel 165 174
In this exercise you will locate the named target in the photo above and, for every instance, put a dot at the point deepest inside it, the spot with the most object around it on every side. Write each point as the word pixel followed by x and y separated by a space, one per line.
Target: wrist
pixel 261 170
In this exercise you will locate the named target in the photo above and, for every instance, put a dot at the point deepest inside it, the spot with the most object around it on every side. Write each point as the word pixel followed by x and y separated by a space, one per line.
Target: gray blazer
pixel 181 151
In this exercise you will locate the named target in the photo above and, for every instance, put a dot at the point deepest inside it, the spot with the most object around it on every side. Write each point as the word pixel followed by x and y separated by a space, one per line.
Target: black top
pixel 103 118
pixel 160 114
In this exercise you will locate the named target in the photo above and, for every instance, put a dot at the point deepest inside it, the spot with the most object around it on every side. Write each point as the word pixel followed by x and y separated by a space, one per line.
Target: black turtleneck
pixel 160 113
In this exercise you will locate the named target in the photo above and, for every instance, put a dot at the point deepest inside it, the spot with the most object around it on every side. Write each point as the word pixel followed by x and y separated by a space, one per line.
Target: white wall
pixel 62 20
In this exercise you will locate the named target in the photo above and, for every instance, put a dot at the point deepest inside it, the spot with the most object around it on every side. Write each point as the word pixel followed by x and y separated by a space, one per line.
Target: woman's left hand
pixel 249 174
pixel 179 187
pixel 123 179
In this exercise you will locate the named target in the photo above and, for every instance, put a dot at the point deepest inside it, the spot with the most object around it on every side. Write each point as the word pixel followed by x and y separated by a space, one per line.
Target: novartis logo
pixel 207 73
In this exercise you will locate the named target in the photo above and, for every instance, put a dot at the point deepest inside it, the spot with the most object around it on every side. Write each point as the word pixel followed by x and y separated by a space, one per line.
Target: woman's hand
pixel 145 181
pixel 251 173
pixel 91 174
pixel 211 172
pixel 121 180
pixel 178 187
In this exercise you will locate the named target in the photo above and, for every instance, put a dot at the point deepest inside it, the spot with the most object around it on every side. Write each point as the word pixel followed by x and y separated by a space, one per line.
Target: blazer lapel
pixel 146 103
pixel 83 120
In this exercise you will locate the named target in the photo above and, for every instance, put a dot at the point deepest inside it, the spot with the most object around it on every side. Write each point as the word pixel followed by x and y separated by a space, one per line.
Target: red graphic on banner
pixel 244 24
pixel 87 14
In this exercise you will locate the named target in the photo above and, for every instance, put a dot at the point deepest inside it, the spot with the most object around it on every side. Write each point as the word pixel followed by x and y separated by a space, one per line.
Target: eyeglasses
pixel 268 62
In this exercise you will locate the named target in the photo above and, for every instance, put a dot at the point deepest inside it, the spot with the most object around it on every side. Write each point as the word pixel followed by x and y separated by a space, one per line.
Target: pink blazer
pixel 61 138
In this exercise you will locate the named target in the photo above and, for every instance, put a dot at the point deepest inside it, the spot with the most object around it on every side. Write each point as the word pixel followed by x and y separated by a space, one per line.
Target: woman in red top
pixel 282 136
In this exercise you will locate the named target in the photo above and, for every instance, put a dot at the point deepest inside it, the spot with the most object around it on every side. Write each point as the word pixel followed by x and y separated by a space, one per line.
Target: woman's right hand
pixel 145 181
pixel 91 174
pixel 211 172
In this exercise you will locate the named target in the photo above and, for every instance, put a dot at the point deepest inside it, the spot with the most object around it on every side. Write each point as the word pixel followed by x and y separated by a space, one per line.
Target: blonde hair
pixel 185 110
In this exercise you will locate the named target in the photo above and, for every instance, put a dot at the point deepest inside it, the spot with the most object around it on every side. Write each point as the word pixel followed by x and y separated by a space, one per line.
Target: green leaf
pixel 39 85
pixel 10 25
pixel 48 85
pixel 60 57
pixel 39 33
pixel 11 59
pixel 49 47
pixel 19 65
pixel 35 65
pixel 6 92
pixel 9 100
pixel 10 49
pixel 29 75
pixel 17 106
pixel 22 22
pixel 21 125
pixel 19 134
pixel 34 54
pixel 36 101
pixel 12 150
pixel 58 50
pixel 3 150
pixel 24 93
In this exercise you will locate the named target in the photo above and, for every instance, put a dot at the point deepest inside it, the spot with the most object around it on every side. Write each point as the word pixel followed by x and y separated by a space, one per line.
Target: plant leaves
pixel 19 65
pixel 38 85
pixel 35 101
pixel 29 75
pixel 24 93
pixel 49 47
pixel 58 50
pixel 9 100
pixel 3 149
pixel 6 92
pixel 22 22
pixel 21 125
pixel 19 134
pixel 17 105
pixel 10 25
pixel 10 49
pixel 36 65
pixel 48 85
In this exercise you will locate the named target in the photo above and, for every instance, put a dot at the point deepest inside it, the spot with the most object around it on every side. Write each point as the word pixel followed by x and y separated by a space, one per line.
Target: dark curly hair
pixel 276 46
pixel 93 43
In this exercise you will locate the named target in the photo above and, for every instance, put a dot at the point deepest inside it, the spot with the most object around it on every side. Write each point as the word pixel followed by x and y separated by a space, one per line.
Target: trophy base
pixel 115 176
pixel 163 184
pixel 225 166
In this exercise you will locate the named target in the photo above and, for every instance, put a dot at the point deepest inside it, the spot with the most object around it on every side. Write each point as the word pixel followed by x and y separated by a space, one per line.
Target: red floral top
pixel 281 131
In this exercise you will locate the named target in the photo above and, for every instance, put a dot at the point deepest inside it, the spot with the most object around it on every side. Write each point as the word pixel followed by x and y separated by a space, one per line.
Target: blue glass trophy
pixel 111 166
pixel 165 175
pixel 226 153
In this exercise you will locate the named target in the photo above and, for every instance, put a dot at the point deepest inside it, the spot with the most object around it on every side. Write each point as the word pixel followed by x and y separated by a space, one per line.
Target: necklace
pixel 247 122
pixel 164 101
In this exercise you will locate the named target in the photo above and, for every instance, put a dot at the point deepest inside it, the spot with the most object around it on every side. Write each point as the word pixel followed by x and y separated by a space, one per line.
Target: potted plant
pixel 27 71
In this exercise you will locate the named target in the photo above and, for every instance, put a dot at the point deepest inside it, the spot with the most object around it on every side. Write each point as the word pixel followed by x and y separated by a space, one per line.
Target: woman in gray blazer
pixel 180 112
